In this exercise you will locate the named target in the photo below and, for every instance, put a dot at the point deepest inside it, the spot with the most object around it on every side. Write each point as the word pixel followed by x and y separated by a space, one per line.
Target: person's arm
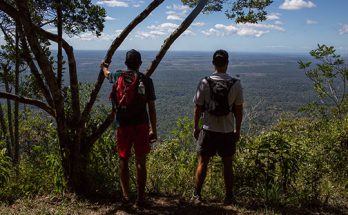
pixel 238 115
pixel 153 120
pixel 197 113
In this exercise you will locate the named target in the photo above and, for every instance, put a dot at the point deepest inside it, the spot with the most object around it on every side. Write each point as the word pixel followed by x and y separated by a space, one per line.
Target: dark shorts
pixel 209 143
pixel 133 135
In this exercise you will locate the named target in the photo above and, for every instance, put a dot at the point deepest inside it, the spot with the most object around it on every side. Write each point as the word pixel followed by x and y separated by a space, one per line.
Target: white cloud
pixel 311 22
pixel 177 12
pixel 251 32
pixel 170 12
pixel 167 26
pixel 278 22
pixel 88 36
pixel 343 29
pixel 184 8
pixel 118 32
pixel 143 35
pixel 113 3
pixel 159 30
pixel 296 4
pixel 273 16
pixel 228 28
pixel 212 32
pixel 265 26
pixel 109 18
pixel 174 17
pixel 188 33
pixel 199 24
pixel 149 34
pixel 248 29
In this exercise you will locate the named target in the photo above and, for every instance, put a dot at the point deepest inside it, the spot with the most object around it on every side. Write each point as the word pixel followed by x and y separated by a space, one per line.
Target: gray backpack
pixel 219 90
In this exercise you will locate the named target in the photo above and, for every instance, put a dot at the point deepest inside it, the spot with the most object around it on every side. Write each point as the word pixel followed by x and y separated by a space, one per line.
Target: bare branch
pixel 170 40
pixel 39 81
pixel 72 69
pixel 37 50
pixel 100 130
pixel 9 10
pixel 30 101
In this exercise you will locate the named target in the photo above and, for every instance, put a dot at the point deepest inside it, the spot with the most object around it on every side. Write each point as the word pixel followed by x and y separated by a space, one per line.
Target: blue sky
pixel 292 26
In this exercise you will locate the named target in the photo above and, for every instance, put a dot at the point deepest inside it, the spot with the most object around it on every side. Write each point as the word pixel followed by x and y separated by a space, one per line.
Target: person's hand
pixel 237 135
pixel 196 132
pixel 153 137
pixel 104 65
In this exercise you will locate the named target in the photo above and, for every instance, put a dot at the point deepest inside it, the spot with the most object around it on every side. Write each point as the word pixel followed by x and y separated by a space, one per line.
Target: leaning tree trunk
pixel 16 107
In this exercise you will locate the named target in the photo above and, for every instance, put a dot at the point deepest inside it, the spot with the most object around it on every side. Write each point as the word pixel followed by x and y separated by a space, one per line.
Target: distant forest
pixel 273 84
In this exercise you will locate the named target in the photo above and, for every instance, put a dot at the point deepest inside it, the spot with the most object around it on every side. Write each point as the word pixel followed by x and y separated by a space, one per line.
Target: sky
pixel 293 26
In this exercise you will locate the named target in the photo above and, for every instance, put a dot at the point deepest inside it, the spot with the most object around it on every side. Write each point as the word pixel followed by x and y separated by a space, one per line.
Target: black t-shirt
pixel 141 116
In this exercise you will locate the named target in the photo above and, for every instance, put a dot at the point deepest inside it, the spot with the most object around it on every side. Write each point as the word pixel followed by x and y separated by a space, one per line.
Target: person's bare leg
pixel 228 178
pixel 201 173
pixel 141 176
pixel 124 177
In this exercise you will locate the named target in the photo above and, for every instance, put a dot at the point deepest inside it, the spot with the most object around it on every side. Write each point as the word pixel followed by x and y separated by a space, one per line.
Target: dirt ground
pixel 157 205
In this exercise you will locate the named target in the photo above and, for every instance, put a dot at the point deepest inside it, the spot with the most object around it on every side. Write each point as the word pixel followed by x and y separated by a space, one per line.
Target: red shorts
pixel 133 134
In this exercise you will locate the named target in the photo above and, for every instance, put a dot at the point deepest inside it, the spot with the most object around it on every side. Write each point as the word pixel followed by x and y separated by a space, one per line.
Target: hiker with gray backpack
pixel 219 104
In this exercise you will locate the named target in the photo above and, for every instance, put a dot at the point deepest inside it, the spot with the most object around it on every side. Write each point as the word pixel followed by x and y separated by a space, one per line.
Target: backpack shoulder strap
pixel 115 75
pixel 231 82
pixel 210 82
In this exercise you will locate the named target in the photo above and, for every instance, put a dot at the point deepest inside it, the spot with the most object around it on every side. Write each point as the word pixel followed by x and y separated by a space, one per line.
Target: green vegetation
pixel 299 162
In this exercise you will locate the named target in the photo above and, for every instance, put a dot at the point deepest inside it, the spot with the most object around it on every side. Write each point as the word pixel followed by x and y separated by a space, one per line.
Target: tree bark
pixel 34 70
pixel 9 109
pixel 60 36
pixel 16 108
pixel 29 101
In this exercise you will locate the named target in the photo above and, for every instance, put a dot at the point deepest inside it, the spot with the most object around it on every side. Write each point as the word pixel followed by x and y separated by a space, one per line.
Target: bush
pixel 5 167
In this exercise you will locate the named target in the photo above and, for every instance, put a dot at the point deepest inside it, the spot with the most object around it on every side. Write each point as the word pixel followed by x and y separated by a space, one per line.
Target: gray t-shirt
pixel 223 124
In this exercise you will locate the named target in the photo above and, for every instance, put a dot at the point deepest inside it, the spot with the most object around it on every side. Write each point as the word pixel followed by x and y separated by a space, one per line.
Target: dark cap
pixel 220 58
pixel 133 58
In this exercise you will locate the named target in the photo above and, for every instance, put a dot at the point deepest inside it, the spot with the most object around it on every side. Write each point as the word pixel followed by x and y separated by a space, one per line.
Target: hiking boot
pixel 196 200
pixel 229 200
pixel 141 204
pixel 125 201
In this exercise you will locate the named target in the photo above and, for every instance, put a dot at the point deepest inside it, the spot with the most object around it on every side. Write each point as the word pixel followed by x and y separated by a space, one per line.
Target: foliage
pixel 329 78
pixel 78 15
pixel 243 11
pixel 5 166
pixel 40 169
pixel 294 163
pixel 103 166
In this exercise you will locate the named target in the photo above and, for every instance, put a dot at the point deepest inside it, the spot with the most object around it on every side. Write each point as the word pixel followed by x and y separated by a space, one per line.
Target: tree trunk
pixel 16 108
pixel 74 162
pixel 9 111
pixel 60 53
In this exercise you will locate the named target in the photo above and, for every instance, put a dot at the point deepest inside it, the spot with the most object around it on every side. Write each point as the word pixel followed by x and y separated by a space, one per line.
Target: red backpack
pixel 127 91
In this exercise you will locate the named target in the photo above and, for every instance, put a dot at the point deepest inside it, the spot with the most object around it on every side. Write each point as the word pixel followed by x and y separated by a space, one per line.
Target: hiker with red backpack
pixel 133 100
pixel 219 104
